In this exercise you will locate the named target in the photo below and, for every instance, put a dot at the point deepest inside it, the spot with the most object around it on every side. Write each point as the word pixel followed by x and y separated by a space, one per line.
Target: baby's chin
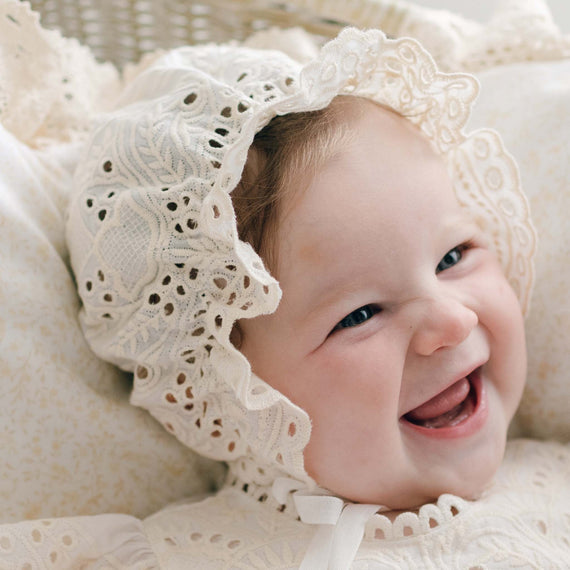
pixel 468 479
pixel 413 497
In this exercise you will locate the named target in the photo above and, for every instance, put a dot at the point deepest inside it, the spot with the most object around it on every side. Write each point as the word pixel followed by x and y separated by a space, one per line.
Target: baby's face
pixel 397 332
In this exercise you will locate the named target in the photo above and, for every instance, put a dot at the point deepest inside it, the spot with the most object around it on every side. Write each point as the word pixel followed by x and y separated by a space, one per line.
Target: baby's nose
pixel 443 322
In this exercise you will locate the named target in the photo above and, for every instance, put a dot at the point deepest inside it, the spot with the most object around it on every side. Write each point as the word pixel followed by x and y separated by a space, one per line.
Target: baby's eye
pixel 357 317
pixel 452 257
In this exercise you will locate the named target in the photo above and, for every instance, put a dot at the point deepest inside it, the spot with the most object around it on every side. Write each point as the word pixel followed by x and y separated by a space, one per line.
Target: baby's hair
pixel 283 159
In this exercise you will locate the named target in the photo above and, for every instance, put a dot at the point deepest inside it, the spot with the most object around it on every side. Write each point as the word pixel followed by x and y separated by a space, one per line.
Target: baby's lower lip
pixel 462 420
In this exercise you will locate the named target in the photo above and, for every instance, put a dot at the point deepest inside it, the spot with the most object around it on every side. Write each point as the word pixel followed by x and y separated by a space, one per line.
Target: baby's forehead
pixel 367 202
pixel 396 129
pixel 363 134
pixel 380 144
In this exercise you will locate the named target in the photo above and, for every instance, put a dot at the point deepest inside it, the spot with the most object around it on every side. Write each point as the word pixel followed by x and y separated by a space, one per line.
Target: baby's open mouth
pixel 448 408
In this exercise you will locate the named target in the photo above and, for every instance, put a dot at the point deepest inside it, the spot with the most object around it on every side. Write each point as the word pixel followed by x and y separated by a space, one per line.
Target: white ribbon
pixel 340 525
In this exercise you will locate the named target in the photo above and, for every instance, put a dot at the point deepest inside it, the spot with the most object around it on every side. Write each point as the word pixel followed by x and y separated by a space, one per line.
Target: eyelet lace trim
pixel 380 526
pixel 409 523
pixel 263 494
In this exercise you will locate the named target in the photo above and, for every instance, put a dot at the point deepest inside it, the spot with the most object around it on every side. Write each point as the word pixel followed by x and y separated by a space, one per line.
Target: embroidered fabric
pixel 153 241
pixel 516 524
pixel 522 521
pixel 50 86
pixel 99 542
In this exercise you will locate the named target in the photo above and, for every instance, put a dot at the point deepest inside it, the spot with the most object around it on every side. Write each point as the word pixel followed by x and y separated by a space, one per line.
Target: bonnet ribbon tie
pixel 340 525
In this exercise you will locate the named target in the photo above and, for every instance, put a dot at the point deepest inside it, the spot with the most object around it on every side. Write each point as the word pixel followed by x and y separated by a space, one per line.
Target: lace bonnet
pixel 153 240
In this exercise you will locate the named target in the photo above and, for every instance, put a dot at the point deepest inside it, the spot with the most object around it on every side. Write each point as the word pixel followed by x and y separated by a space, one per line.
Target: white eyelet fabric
pixel 159 266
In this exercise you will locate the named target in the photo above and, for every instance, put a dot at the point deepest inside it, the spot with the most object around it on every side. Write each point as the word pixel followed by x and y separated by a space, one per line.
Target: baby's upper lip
pixel 466 371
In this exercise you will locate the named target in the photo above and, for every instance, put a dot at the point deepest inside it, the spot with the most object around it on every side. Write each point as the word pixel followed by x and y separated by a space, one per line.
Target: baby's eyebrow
pixel 464 222
pixel 328 292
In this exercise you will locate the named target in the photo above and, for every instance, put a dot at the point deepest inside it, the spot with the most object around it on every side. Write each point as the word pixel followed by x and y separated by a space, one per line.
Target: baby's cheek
pixel 507 313
pixel 502 317
pixel 368 371
pixel 493 298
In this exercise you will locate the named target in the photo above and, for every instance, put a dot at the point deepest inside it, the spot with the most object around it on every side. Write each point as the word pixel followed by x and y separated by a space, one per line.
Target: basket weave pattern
pixel 122 30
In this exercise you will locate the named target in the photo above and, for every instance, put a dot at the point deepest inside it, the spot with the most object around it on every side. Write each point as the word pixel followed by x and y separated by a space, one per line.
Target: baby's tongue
pixel 438 411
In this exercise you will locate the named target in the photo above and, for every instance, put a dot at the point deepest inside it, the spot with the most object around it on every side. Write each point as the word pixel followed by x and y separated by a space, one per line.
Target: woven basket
pixel 122 30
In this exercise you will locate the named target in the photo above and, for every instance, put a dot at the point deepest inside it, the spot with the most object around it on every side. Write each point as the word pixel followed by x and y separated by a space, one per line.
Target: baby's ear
pixel 236 336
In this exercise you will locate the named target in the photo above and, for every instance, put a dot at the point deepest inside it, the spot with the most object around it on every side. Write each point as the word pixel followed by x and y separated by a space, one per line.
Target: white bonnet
pixel 153 240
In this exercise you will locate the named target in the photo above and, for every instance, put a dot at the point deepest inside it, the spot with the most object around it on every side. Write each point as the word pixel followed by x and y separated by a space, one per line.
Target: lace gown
pixel 522 521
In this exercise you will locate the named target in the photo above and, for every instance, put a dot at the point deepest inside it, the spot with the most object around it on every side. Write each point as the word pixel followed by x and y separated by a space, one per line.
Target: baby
pixel 316 276
pixel 397 332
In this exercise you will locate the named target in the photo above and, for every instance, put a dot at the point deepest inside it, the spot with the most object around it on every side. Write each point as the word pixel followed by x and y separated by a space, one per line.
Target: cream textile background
pixel 482 9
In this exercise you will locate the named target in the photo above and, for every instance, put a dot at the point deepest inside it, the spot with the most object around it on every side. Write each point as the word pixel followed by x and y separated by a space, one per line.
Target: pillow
pixel 529 104
pixel 71 442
